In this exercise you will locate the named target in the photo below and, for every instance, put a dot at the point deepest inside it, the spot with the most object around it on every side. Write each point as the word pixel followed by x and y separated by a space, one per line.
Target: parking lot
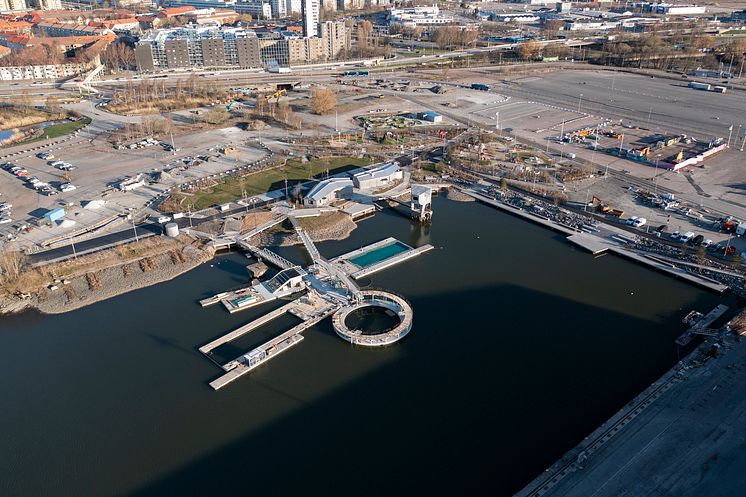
pixel 97 170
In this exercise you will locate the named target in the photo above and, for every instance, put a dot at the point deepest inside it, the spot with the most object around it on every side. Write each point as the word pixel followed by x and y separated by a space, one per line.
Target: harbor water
pixel 521 346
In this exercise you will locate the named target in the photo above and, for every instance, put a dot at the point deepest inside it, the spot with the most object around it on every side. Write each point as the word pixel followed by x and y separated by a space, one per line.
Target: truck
pixel 700 86
pixel 719 89
pixel 686 237
pixel 480 87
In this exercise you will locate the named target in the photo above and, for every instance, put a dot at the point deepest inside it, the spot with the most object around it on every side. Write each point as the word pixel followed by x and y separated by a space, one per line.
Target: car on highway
pixel 163 219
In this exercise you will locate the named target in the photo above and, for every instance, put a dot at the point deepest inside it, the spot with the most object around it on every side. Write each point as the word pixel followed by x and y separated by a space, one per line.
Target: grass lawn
pixel 272 179
pixel 65 128
pixel 57 130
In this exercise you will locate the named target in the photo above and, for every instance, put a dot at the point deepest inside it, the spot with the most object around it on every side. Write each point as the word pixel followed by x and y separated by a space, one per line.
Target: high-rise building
pixel 279 8
pixel 6 5
pixel 293 6
pixel 310 17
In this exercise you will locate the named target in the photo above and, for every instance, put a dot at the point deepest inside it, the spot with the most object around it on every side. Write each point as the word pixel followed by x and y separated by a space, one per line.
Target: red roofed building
pixel 174 11
pixel 17 27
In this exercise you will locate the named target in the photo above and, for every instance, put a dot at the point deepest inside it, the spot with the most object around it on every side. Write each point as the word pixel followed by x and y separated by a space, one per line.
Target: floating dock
pixel 237 300
pixel 268 350
pixel 311 309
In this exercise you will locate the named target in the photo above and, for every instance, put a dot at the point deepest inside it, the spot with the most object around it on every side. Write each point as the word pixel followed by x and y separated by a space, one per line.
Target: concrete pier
pixel 609 239
pixel 701 326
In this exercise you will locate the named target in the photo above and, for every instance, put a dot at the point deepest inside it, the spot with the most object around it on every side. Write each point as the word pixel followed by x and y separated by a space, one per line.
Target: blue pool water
pixel 379 254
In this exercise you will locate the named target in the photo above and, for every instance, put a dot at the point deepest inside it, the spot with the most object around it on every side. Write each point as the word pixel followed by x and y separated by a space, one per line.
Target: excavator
pixel 605 208
pixel 276 95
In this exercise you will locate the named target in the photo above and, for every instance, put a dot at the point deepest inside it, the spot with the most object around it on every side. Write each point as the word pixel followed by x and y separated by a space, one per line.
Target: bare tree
pixel 11 265
pixel 323 100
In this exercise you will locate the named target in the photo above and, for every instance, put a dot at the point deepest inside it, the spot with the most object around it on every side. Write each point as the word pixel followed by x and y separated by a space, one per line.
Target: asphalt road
pixel 128 235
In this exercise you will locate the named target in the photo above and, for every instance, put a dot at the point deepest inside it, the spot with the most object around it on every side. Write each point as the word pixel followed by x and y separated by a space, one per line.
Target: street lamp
pixel 132 219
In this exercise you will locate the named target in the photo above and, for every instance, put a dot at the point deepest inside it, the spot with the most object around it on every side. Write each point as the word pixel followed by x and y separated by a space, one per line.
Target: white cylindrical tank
pixel 172 230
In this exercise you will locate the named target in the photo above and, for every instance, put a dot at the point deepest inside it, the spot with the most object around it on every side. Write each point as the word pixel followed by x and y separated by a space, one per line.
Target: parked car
pixel 707 243
pixel 45 155
pixel 163 219
pixel 5 220
pixel 67 187
pixel 675 235
pixel 5 206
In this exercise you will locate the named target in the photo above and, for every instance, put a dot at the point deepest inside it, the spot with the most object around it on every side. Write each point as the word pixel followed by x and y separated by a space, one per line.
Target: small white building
pixel 378 177
pixel 328 191
pixel 286 282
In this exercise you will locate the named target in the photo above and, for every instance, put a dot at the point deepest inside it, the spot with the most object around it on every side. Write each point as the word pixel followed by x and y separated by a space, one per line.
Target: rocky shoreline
pixel 95 283
pixel 458 196
pixel 89 288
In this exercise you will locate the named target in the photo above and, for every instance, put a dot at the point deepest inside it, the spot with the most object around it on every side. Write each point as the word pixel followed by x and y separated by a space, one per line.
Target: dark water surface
pixel 521 346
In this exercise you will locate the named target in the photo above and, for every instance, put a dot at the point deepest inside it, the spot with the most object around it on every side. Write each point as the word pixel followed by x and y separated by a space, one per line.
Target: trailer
pixel 700 86
pixel 719 89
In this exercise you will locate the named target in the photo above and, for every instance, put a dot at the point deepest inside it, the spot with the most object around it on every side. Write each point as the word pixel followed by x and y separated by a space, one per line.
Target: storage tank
pixel 172 230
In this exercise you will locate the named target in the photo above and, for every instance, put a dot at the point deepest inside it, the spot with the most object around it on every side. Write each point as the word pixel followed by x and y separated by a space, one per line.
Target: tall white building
pixel 6 5
pixel 310 16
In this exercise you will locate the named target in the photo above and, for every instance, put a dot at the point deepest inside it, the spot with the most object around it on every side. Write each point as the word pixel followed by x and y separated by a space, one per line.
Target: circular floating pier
pixel 375 299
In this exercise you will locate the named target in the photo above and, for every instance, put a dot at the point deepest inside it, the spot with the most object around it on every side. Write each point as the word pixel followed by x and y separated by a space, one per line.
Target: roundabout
pixel 389 306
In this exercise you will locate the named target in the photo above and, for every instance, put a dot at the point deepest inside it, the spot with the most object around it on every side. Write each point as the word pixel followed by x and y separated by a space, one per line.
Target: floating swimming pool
pixel 379 254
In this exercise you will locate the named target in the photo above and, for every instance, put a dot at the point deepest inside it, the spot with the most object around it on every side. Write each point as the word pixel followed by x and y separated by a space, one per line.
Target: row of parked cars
pixel 5 212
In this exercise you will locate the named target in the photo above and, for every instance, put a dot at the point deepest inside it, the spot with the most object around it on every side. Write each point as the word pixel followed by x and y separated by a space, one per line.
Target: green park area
pixel 235 187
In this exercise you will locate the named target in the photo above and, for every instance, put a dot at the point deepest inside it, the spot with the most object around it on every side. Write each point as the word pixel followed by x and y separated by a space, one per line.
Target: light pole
pixel 132 218
pixel 730 132
pixel 72 244
pixel 253 202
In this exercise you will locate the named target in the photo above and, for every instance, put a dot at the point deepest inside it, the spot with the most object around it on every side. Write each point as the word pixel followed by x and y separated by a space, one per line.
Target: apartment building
pixel 230 47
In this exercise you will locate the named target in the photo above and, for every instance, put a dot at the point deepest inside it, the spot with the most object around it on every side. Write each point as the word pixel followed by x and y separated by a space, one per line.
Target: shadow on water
pixel 466 408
